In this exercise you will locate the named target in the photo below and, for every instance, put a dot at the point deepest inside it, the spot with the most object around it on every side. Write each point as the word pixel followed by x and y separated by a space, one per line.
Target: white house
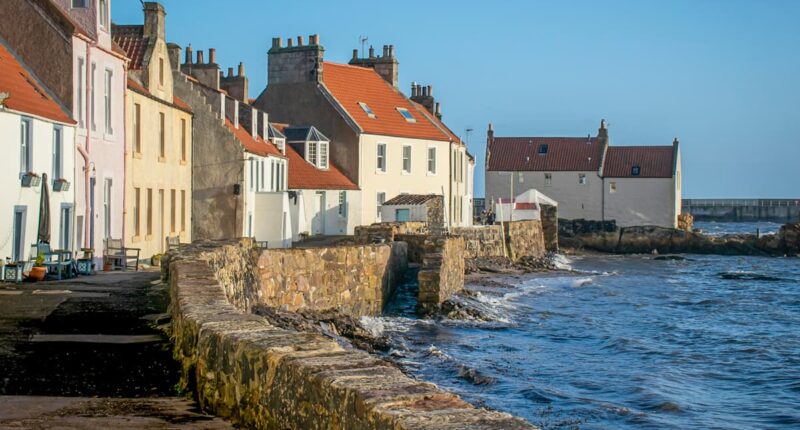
pixel 588 178
pixel 40 140
pixel 322 199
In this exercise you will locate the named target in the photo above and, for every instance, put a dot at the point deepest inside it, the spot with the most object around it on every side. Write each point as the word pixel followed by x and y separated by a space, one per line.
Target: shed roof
pixel 411 199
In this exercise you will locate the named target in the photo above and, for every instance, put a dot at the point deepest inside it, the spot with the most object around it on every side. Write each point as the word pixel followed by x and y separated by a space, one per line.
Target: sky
pixel 721 76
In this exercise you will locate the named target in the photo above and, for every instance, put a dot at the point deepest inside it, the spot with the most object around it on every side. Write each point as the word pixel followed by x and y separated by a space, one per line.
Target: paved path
pixel 90 353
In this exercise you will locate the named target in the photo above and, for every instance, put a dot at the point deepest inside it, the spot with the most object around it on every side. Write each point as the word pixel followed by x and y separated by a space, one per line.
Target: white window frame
pixel 582 180
pixel 548 179
pixel 343 204
pixel 25 145
pixel 380 199
pixel 370 113
pixel 323 156
pixel 312 152
pixel 380 158
pixel 58 152
pixel 92 102
pixel 406 159
pixel 102 13
pixel 406 114
pixel 108 83
pixel 431 151
pixel 79 101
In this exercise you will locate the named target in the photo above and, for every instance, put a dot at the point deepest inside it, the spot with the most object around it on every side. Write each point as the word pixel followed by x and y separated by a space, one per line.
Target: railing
pixel 742 202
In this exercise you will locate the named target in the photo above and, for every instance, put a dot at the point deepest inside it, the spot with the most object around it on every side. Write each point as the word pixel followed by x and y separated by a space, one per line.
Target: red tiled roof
pixel 253 145
pixel 25 94
pixel 132 41
pixel 445 129
pixel 353 84
pixel 653 161
pixel 180 104
pixel 304 176
pixel 568 154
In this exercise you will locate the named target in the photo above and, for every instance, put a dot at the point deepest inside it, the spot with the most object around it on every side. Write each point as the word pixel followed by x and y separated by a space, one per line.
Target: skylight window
pixel 635 170
pixel 543 148
pixel 366 108
pixel 406 114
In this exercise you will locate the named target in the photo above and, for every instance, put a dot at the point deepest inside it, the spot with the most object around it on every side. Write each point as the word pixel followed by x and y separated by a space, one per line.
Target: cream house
pixel 385 143
pixel 588 178
pixel 40 143
pixel 158 167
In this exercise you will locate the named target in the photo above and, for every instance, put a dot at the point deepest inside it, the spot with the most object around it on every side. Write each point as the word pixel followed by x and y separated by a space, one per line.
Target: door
pixel 318 223
pixel 18 251
pixel 402 215
pixel 161 239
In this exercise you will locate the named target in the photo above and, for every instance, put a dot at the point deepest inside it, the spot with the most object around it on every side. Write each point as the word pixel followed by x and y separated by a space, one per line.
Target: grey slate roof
pixel 274 133
pixel 410 199
pixel 304 133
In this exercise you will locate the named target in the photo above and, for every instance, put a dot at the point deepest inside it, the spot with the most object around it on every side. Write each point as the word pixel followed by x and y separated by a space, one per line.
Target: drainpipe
pixel 85 152
pixel 125 149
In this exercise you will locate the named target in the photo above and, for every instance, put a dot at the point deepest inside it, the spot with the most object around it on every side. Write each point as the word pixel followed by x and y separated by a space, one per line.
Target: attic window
pixel 543 148
pixel 78 3
pixel 366 108
pixel 406 114
pixel 635 171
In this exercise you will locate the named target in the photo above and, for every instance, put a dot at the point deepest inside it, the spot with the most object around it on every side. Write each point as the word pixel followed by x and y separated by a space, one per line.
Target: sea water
pixel 621 342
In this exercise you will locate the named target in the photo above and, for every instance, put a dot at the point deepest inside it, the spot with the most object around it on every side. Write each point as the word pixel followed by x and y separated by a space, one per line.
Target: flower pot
pixel 106 267
pixel 37 273
pixel 60 185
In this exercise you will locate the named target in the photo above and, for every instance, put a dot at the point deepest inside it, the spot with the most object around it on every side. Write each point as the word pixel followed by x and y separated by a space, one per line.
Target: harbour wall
pixel 260 376
pixel 743 210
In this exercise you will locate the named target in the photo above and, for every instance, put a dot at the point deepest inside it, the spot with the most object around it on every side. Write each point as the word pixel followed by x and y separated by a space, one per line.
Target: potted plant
pixel 38 271
pixel 106 265
pixel 31 179
pixel 61 185
pixel 155 260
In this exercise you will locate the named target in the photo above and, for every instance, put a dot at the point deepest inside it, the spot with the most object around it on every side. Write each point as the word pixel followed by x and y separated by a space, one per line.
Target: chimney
pixel 386 66
pixel 413 89
pixel 174 54
pixel 189 54
pixel 438 111
pixel 299 40
pixel 602 132
pixel 241 69
pixel 293 65
pixel 154 17
pixel 424 96
pixel 212 56
pixel 236 86
pixel 230 72
pixel 289 43
pixel 200 57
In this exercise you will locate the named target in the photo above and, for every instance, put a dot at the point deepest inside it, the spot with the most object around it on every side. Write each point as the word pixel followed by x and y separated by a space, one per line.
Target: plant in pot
pixel 106 265
pixel 155 260
pixel 38 271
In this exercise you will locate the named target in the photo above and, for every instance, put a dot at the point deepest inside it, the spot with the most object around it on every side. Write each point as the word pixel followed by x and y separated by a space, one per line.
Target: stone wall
pixel 260 376
pixel 524 239
pixel 482 241
pixel 386 231
pixel 442 272
pixel 355 280
pixel 549 217
pixel 416 246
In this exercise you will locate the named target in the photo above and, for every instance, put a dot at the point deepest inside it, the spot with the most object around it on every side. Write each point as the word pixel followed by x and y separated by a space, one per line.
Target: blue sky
pixel 722 76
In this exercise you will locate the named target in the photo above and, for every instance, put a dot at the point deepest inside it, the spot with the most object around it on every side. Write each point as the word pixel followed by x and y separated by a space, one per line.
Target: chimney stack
pixel 424 96
pixel 174 54
pixel 241 69
pixel 212 56
pixel 371 52
pixel 602 132
pixel 386 65
pixel 189 54
pixel 355 54
pixel 200 57
pixel 292 65
pixel 154 17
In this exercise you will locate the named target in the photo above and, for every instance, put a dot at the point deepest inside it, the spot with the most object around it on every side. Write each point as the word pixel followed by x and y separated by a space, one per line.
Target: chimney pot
pixel 355 54
pixel 189 54
pixel 438 112
pixel 313 39
pixel 200 57
pixel 212 56
pixel 299 40
pixel 241 69
pixel 230 72
pixel 371 52
pixel 413 89
pixel 276 42
pixel 430 90
pixel 391 51
pixel 289 42
pixel 425 91
pixel 385 50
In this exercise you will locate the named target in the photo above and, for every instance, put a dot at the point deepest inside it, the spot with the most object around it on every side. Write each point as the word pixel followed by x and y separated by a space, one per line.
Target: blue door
pixel 401 215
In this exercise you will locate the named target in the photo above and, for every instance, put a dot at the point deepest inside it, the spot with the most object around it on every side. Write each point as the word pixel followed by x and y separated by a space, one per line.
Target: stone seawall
pixel 260 376
pixel 442 272
pixel 386 231
pixel 524 239
pixel 355 280
pixel 482 241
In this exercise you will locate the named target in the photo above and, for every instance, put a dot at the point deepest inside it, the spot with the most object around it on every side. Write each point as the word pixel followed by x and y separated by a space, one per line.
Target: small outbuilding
pixel 527 205
pixel 427 208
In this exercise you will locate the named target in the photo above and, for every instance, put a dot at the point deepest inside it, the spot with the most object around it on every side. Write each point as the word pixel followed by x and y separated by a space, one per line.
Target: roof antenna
pixel 363 40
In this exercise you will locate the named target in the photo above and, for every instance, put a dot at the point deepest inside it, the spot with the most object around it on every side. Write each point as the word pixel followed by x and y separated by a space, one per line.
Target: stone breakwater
pixel 260 376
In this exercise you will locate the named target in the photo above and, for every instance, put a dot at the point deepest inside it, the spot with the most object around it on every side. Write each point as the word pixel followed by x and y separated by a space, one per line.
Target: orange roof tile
pixel 253 145
pixel 25 94
pixel 180 104
pixel 352 84
pixel 445 129
pixel 131 40
pixel 304 176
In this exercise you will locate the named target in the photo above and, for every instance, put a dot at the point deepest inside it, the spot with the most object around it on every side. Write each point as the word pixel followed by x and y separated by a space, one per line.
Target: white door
pixel 318 223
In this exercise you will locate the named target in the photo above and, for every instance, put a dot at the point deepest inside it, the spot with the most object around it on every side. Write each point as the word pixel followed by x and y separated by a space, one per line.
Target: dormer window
pixel 367 110
pixel 317 153
pixel 635 170
pixel 543 148
pixel 281 144
pixel 406 114
pixel 103 13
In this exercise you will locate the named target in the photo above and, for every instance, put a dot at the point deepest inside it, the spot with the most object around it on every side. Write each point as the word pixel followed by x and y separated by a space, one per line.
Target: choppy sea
pixel 621 342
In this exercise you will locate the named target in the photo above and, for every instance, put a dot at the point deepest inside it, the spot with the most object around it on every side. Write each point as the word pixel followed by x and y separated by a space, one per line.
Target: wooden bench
pixel 120 257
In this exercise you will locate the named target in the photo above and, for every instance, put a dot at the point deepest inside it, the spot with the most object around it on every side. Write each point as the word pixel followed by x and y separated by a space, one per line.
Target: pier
pixel 743 210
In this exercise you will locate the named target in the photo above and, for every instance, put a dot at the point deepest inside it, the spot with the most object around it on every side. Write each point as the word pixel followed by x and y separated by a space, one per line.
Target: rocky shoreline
pixel 603 237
